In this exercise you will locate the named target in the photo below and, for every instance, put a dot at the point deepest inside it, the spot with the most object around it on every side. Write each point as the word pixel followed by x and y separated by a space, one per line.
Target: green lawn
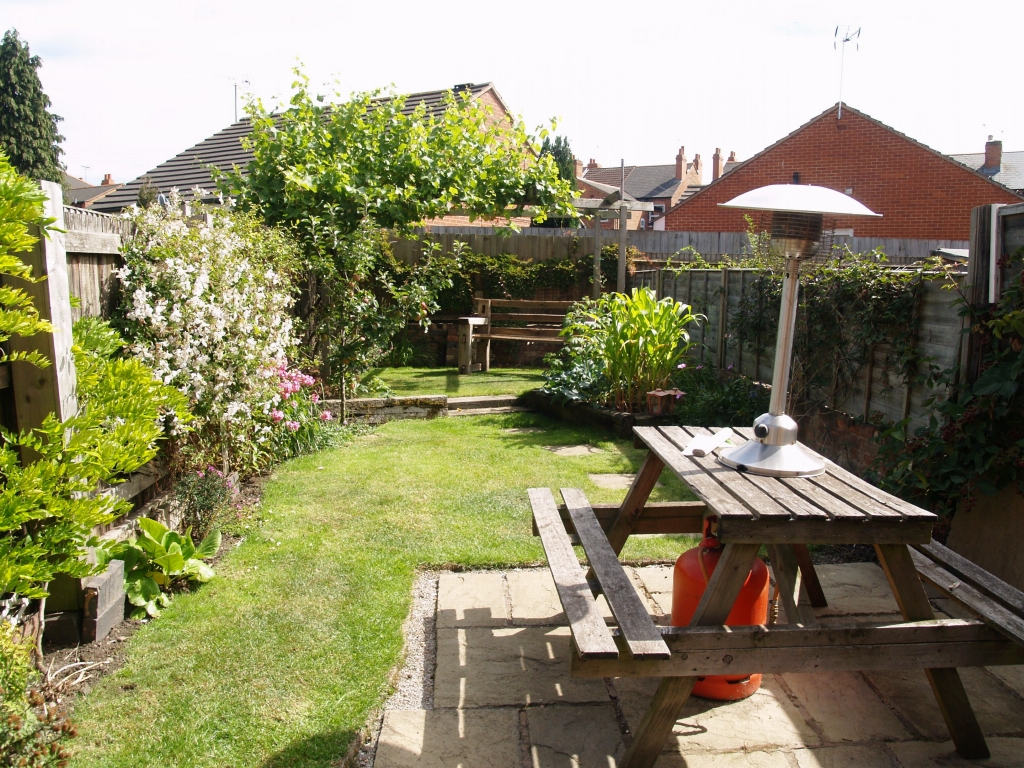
pixel 278 661
pixel 446 381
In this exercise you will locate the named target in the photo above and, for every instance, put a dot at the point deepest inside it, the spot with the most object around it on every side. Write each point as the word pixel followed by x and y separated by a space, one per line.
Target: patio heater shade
pixel 797 217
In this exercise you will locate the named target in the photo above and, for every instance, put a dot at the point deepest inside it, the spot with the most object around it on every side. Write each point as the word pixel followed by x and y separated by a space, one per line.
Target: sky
pixel 139 82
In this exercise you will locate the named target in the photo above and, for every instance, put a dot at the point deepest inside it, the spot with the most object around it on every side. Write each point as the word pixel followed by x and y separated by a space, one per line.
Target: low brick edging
pixel 377 410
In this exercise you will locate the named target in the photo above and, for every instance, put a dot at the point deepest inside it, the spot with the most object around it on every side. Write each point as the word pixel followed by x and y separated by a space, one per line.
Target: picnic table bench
pixel 515 320
pixel 745 511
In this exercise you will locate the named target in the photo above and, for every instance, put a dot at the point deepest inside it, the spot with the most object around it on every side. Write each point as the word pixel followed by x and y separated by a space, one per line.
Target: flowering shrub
pixel 301 425
pixel 206 304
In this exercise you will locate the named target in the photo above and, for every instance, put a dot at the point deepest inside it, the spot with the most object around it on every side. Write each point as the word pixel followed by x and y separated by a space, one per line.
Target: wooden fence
pixel 540 244
pixel 717 293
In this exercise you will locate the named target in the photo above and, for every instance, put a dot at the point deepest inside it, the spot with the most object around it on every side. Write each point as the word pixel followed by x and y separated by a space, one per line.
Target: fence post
pixel 976 290
pixel 723 315
pixel 39 392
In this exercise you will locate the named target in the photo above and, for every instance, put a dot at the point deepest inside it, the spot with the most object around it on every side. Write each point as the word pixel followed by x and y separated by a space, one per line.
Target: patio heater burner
pixel 796 233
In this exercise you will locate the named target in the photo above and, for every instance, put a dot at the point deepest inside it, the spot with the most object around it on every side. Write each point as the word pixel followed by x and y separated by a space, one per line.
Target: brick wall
pixel 919 194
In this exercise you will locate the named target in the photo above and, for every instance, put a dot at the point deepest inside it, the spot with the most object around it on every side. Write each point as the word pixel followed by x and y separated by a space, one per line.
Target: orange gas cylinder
pixel 692 571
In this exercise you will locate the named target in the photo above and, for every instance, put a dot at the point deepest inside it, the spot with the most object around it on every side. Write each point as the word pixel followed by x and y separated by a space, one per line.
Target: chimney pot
pixel 993 155
pixel 108 180
pixel 717 164
pixel 732 157
pixel 681 164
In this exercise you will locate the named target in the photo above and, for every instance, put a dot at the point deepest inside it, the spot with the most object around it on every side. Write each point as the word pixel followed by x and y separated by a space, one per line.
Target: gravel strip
pixel 414 682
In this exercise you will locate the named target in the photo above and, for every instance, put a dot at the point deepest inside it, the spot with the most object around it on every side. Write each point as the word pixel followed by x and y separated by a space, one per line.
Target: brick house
pixel 1005 167
pixel 224 150
pixel 921 194
pixel 662 185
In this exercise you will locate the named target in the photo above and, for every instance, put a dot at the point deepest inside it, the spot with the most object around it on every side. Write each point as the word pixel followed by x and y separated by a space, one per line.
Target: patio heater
pixel 797 215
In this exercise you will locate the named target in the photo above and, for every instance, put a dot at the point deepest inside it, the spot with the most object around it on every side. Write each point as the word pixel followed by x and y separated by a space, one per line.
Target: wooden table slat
pixel 761 503
pixel 710 492
pixel 1005 594
pixel 797 505
pixel 641 635
pixel 589 631
pixel 834 507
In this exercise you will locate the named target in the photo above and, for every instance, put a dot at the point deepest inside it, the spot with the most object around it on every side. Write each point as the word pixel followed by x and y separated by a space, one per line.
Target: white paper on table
pixel 702 445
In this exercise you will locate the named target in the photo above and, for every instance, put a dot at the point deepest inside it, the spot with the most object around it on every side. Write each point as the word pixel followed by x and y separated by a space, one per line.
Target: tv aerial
pixel 848 35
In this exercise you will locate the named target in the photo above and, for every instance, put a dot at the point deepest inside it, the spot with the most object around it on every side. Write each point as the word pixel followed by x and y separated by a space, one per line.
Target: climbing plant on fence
pixel 848 309
pixel 974 442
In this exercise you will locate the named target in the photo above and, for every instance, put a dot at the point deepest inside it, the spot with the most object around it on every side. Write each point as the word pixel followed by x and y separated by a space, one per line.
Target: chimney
pixel 732 157
pixel 717 164
pixel 578 165
pixel 697 170
pixel 593 164
pixel 993 155
pixel 108 180
pixel 681 164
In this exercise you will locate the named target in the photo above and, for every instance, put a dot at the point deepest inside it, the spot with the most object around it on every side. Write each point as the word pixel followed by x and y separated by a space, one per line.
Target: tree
pixel 561 153
pixel 342 176
pixel 28 132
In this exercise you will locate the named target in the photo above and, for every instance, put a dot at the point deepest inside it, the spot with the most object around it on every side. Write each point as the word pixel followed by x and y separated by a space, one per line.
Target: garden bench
pixel 507 320
pixel 745 511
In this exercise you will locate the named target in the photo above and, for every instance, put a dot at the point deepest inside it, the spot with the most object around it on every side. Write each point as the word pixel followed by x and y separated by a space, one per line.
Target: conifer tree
pixel 28 131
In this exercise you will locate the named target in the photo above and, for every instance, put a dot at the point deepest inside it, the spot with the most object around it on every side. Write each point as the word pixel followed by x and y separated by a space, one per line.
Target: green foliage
pixel 974 442
pixel 32 725
pixel 847 310
pixel 48 507
pixel 508 277
pixel 28 132
pixel 148 193
pixel 202 495
pixel 622 345
pixel 21 207
pixel 340 175
pixel 717 398
pixel 159 559
pixel 561 153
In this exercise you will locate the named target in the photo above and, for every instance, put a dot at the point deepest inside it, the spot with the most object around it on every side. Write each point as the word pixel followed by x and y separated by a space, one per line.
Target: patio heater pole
pixel 784 340
pixel 620 282
pixel 597 254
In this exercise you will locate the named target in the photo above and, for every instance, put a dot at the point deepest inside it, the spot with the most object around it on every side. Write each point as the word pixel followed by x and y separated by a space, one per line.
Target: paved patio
pixel 502 695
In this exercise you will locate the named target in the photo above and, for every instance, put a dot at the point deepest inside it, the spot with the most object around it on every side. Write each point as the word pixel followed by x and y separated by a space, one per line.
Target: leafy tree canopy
pixel 322 168
pixel 28 131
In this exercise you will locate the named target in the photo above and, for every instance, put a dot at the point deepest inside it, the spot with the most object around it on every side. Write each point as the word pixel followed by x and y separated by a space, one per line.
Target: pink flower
pixel 315 397
pixel 292 425
pixel 325 416
pixel 276 415
pixel 681 366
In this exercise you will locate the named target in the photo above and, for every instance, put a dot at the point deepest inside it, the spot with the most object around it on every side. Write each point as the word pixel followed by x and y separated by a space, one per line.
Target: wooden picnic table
pixel 745 511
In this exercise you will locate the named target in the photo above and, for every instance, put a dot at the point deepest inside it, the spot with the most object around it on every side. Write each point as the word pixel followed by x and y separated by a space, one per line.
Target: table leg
pixel 946 684
pixel 633 504
pixel 788 578
pixel 714 607
pixel 810 577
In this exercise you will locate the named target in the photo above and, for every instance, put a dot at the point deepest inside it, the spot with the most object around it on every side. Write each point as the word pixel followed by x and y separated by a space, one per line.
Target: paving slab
pixel 534 598
pixel 487 738
pixel 523 430
pixel 487 667
pixel 998 710
pixel 1012 676
pixel 844 706
pixel 574 737
pixel 853 588
pixel 755 759
pixel 843 757
pixel 471 600
pixel 572 450
pixel 766 721
pixel 656 578
pixel 1006 753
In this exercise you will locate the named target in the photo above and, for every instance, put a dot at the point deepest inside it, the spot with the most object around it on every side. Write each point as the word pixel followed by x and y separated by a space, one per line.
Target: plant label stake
pixel 797 214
